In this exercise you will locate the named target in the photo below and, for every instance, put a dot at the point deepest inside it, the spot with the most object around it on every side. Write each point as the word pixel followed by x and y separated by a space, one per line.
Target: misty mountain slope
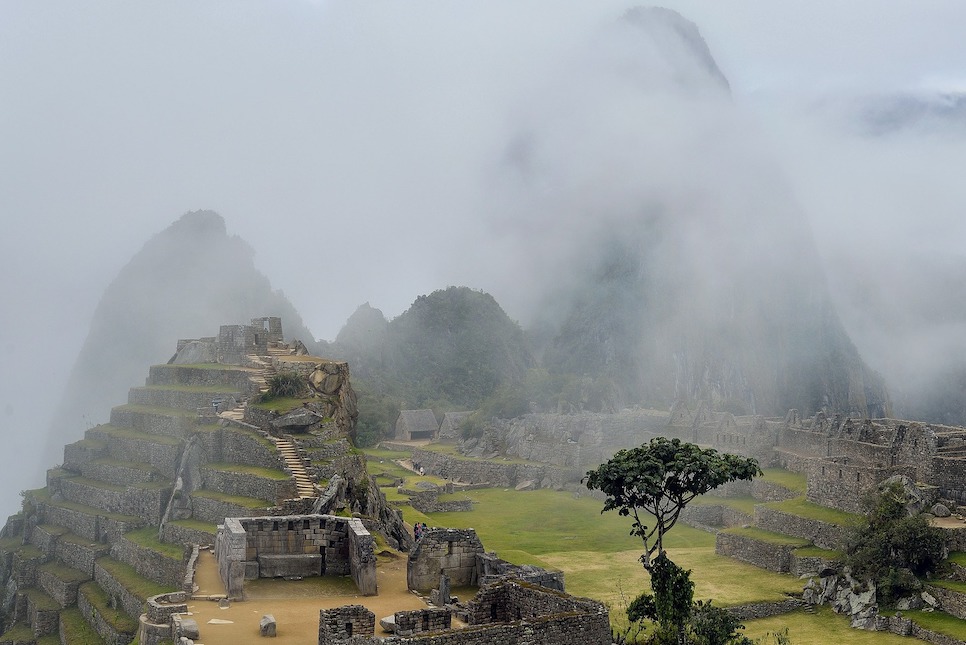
pixel 186 281
pixel 681 266
pixel 455 345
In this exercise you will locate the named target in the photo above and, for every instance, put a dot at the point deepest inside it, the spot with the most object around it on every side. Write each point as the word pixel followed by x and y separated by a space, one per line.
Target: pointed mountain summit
pixel 673 259
pixel 186 280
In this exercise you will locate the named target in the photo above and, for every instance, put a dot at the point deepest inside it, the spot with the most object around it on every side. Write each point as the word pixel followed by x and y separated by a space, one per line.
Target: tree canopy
pixel 659 479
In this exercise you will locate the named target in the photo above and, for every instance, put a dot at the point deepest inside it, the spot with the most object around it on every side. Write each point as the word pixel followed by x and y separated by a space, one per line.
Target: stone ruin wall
pixel 450 552
pixel 504 612
pixel 300 545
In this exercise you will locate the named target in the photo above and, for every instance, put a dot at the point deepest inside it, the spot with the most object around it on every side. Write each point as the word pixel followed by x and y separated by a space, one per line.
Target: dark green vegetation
pixel 892 548
pixel 456 349
pixel 285 385
pixel 450 350
pixel 655 481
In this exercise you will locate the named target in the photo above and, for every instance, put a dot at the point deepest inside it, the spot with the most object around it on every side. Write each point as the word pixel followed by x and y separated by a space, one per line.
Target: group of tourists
pixel 419 528
pixel 418 468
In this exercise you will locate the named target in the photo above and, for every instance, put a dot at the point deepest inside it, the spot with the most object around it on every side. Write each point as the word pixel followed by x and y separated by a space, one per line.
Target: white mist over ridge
pixel 370 138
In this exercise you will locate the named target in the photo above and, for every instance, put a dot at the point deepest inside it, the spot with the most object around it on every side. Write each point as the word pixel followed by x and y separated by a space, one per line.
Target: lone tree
pixel 660 478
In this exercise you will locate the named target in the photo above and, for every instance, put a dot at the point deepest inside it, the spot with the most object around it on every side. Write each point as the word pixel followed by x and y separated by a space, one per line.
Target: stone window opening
pixel 348 630
pixel 449 548
pixel 493 611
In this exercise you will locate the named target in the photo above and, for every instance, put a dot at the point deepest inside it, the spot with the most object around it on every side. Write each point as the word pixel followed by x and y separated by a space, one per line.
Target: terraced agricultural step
pixel 144 500
pixel 125 444
pixel 43 612
pixel 91 523
pixel 171 422
pixel 61 582
pixel 214 506
pixel 182 396
pixel 205 375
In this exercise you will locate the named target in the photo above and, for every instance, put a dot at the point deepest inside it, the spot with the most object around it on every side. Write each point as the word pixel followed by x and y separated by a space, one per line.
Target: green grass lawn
pixel 769 537
pixel 450 450
pixel 267 473
pixel 148 538
pixel 132 580
pixel 546 521
pixel 953 585
pixel 76 630
pixel 819 628
pixel 237 500
pixel 958 557
pixel 281 404
pixel 378 454
pixel 938 621
pixel 197 525
pixel 803 508
pixel 787 479
pixel 818 552
pixel 744 505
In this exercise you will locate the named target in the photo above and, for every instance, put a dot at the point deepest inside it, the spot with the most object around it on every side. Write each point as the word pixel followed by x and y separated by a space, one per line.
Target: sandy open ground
pixel 295 604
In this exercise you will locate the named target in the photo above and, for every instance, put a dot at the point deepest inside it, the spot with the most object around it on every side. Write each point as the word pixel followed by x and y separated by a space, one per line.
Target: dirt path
pixel 295 604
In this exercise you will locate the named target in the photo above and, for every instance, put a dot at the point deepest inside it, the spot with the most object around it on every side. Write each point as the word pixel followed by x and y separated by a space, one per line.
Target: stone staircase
pixel 264 370
pixel 293 461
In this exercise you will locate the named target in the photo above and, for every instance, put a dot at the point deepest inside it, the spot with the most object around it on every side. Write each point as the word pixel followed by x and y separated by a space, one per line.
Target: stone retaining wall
pixel 130 603
pixel 215 511
pixel 101 625
pixel 80 556
pixel 170 424
pixel 905 627
pixel 248 485
pixel 42 621
pixel 714 516
pixel 64 592
pixel 773 557
pixel 238 446
pixel 145 502
pixel 233 379
pixel 163 397
pixel 821 534
pixel 81 452
pixel 117 473
pixel 161 455
pixel 148 563
pixel 427 501
pixel 952 602
pixel 185 535
pixel 45 538
pixel 497 474
pixel 757 610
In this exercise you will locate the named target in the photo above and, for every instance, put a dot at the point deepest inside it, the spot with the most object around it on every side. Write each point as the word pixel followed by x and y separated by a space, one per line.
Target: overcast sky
pixel 360 137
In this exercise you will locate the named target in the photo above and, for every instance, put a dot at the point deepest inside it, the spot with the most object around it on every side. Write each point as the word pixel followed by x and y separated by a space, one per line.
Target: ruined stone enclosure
pixel 294 546
pixel 507 611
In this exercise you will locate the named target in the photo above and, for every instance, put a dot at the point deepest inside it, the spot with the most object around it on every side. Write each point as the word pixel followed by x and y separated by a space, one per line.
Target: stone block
pixel 186 627
pixel 267 626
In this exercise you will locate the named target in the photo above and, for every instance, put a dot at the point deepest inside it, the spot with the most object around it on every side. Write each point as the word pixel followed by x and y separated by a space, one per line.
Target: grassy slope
pixel 596 552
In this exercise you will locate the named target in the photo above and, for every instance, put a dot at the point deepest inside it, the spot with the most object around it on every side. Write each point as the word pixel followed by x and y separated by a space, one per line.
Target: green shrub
pixel 286 385
pixel 892 548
